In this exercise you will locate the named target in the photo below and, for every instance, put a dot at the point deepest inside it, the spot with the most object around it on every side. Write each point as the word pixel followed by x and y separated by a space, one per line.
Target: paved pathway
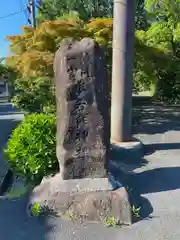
pixel 158 180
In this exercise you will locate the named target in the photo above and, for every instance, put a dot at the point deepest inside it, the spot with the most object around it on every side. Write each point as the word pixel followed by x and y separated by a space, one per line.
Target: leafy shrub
pixel 168 87
pixel 34 94
pixel 49 108
pixel 31 150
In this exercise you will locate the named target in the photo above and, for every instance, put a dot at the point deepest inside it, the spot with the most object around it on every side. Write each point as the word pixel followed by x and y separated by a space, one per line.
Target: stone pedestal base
pixel 127 151
pixel 83 199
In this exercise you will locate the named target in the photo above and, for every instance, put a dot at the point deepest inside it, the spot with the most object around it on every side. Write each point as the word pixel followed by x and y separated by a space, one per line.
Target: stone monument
pixel 82 189
pixel 83 124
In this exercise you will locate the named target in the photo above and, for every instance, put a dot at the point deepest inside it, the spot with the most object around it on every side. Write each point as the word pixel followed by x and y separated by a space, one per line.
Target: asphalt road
pixel 158 180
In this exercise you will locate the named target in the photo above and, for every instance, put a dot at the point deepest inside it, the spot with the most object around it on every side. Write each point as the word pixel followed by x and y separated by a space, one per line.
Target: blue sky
pixel 10 25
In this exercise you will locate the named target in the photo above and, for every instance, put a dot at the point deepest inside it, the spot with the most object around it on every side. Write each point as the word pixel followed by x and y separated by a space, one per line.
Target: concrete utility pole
pixel 33 12
pixel 122 64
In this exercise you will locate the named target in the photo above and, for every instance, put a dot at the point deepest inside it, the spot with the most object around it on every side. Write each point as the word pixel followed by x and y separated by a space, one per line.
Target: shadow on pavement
pixel 155 119
pixel 6 126
pixel 6 107
pixel 151 148
pixel 16 225
pixel 157 180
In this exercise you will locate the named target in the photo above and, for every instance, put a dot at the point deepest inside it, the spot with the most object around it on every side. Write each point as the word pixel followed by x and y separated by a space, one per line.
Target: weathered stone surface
pixel 83 199
pixel 83 132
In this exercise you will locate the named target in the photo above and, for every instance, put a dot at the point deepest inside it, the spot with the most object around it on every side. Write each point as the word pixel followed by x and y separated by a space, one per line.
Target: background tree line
pixel 157 47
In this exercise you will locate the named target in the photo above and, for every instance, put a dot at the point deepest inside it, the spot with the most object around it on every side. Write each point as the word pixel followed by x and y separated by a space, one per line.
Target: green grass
pixel 111 222
pixel 136 211
pixel 36 210
pixel 39 210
